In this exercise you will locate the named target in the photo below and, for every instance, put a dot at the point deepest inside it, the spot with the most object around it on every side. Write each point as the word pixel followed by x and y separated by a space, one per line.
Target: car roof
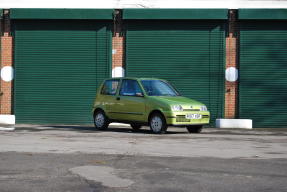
pixel 134 78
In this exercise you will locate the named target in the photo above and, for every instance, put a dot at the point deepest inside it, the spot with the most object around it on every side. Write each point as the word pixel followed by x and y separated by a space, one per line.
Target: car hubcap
pixel 156 124
pixel 99 120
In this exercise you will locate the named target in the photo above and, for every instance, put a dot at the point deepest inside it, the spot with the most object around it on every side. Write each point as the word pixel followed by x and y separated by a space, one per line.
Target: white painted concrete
pixel 7 128
pixel 7 122
pixel 231 4
pixel 7 119
pixel 234 123
pixel 118 72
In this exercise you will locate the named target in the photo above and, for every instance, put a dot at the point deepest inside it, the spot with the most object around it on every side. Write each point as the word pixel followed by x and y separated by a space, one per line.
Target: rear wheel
pixel 194 128
pixel 136 126
pixel 157 123
pixel 101 121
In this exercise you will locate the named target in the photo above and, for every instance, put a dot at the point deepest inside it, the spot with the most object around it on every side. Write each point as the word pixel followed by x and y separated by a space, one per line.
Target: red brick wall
pixel 6 60
pixel 6 87
pixel 118 50
pixel 231 88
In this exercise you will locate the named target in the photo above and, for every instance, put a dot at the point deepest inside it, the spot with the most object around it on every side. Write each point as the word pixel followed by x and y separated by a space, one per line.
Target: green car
pixel 147 101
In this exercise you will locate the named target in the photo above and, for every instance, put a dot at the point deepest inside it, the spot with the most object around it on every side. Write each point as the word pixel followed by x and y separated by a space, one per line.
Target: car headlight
pixel 176 108
pixel 203 108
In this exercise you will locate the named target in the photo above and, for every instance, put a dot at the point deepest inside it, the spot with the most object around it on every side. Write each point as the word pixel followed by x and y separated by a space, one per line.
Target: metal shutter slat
pixel 59 65
pixel 189 54
pixel 263 73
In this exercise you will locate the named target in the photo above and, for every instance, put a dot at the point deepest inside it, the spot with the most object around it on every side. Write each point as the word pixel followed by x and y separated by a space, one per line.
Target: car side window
pixel 130 88
pixel 110 87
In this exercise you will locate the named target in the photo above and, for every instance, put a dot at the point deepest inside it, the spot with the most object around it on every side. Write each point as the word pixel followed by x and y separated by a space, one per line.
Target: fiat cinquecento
pixel 147 101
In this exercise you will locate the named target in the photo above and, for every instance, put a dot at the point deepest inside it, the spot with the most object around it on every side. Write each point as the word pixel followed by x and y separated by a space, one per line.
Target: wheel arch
pixel 97 109
pixel 155 111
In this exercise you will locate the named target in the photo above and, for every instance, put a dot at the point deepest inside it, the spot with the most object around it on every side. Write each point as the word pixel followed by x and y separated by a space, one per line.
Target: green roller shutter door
pixel 263 73
pixel 190 54
pixel 59 65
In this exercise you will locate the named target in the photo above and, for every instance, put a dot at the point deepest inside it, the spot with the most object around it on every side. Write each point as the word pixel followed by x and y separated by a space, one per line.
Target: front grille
pixel 205 116
pixel 191 109
pixel 181 118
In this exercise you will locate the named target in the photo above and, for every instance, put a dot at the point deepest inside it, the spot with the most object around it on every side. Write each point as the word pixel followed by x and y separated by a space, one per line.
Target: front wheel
pixel 194 128
pixel 101 120
pixel 157 123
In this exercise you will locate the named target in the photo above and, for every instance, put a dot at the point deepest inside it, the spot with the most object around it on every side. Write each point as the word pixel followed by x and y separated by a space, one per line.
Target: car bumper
pixel 178 118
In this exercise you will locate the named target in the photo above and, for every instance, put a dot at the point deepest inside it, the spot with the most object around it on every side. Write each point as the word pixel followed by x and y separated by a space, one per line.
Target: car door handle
pixel 118 98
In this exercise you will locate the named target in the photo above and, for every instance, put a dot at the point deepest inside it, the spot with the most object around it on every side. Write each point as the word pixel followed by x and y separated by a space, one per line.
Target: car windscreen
pixel 158 88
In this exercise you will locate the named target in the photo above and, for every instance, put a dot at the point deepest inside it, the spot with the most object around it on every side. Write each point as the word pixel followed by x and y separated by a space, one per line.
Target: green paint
pixel 189 54
pixel 262 14
pixel 29 13
pixel 175 14
pixel 59 65
pixel 263 73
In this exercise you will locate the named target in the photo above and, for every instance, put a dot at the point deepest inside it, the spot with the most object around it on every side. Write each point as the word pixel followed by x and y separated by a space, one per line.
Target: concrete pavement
pixel 122 140
pixel 78 158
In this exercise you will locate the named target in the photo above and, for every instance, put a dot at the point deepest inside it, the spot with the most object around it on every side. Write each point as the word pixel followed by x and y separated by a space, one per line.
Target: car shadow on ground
pixel 143 131
pixel 147 131
pixel 87 129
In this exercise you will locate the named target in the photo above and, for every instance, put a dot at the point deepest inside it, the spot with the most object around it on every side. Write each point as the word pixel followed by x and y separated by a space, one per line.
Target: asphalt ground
pixel 78 158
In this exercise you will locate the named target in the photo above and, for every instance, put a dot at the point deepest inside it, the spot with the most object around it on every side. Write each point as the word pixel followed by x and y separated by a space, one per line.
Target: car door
pixel 130 105
pixel 108 98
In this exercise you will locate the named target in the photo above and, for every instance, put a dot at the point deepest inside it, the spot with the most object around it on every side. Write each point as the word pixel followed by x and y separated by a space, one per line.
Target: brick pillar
pixel 6 60
pixel 231 88
pixel 118 51
pixel 118 45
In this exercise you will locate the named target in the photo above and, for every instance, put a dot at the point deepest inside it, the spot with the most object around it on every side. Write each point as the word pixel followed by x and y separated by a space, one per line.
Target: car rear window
pixel 110 87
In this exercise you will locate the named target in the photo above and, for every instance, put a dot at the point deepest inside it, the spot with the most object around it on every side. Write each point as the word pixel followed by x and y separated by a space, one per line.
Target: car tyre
pixel 157 123
pixel 194 128
pixel 101 121
pixel 136 126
